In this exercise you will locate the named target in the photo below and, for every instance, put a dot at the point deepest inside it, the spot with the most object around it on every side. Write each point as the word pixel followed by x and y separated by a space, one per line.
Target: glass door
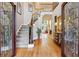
pixel 71 11
pixel 6 29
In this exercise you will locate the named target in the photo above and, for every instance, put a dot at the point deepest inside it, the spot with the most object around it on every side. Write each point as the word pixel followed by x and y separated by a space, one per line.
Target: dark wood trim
pixel 14 31
pixel 62 41
pixel 78 30
pixel 31 32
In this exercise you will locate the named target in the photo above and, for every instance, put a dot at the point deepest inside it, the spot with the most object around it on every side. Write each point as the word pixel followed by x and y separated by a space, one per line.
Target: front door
pixel 6 29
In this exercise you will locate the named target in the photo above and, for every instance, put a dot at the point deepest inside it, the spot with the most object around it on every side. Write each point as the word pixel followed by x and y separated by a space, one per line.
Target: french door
pixel 7 29
pixel 70 20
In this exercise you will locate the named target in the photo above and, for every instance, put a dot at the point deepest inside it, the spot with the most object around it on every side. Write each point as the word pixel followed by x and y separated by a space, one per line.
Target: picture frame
pixel 58 24
pixel 19 8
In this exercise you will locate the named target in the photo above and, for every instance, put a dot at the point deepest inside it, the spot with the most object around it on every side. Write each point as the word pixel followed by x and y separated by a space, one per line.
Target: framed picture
pixel 19 8
pixel 70 27
pixel 58 24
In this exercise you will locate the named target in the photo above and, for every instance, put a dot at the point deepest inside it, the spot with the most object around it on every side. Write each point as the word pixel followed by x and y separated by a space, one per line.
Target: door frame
pixel 62 41
pixel 14 29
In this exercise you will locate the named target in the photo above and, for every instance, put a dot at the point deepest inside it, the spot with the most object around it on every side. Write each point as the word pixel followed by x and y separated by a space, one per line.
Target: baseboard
pixel 63 55
pixel 22 46
pixel 30 45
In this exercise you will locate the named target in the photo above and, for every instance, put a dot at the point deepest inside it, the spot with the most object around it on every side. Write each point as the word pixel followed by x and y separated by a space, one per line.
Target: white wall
pixel 27 15
pixel 19 18
pixel 24 18
pixel 56 12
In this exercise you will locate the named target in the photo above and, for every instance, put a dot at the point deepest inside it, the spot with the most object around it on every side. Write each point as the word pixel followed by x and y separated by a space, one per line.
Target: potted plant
pixel 38 32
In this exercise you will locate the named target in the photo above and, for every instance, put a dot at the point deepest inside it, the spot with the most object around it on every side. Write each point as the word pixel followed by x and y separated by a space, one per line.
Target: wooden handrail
pixel 31 29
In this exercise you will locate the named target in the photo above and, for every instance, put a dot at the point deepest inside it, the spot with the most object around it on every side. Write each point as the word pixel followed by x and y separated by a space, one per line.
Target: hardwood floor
pixel 49 49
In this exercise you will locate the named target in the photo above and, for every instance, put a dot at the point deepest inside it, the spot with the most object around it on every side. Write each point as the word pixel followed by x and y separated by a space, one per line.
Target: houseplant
pixel 38 32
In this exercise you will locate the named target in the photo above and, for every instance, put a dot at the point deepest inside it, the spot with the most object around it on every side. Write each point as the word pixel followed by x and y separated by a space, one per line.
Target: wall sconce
pixel 60 23
pixel 56 24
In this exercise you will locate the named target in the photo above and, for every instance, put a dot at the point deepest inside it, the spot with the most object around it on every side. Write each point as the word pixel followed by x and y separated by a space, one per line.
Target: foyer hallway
pixel 48 49
pixel 56 24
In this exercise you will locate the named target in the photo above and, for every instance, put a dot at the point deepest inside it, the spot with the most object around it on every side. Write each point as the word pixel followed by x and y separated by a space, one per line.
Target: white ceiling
pixel 50 6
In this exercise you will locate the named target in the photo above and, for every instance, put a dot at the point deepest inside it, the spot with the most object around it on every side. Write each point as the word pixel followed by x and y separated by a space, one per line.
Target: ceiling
pixel 44 6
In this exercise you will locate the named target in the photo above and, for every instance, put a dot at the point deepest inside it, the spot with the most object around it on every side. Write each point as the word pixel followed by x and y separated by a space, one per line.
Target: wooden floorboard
pixel 50 49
